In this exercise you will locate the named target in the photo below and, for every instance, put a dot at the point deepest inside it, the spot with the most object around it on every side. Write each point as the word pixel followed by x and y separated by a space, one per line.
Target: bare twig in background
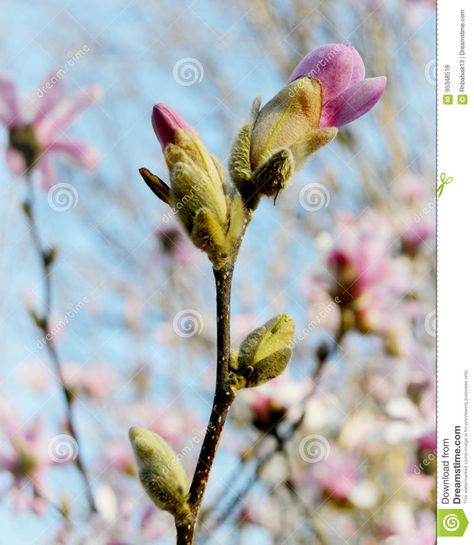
pixel 42 320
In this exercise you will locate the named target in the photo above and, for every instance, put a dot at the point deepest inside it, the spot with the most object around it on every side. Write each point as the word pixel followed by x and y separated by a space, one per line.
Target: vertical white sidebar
pixel 455 315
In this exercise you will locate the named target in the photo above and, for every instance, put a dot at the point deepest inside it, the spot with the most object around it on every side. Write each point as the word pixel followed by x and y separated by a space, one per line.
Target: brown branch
pixel 223 398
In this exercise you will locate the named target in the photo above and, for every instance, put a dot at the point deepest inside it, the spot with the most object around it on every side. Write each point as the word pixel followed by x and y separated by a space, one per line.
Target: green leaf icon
pixel 444 180
pixel 451 522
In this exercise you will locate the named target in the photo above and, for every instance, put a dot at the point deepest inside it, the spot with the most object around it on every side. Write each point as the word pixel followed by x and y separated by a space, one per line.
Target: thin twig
pixel 46 257
pixel 307 511
pixel 281 440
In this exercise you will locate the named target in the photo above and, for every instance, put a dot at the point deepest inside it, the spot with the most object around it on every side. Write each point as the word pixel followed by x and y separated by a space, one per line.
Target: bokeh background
pixel 339 450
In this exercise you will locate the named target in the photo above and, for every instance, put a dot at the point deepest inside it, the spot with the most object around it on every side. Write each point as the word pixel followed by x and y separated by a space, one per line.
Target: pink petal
pixel 77 150
pixel 165 120
pixel 49 94
pixel 15 161
pixel 9 107
pixel 8 463
pixel 358 68
pixel 65 113
pixel 336 66
pixel 353 102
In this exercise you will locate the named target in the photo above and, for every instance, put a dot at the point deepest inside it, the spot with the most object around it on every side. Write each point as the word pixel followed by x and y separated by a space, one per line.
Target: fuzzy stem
pixel 43 323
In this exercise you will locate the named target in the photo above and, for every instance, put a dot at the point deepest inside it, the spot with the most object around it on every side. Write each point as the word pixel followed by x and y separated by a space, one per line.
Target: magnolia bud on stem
pixel 326 90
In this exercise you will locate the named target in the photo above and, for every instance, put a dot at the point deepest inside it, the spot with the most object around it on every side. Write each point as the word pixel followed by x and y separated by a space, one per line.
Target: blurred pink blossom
pixel 119 520
pixel 119 457
pixel 335 476
pixel 26 461
pixel 363 273
pixel 419 486
pixel 36 375
pixel 96 381
pixel 428 441
pixel 36 127
pixel 404 527
pixel 174 245
pixel 274 401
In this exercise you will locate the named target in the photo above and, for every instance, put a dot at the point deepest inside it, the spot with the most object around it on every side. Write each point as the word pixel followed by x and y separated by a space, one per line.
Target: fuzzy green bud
pixel 290 120
pixel 265 353
pixel 211 215
pixel 188 149
pixel 274 174
pixel 160 472
pixel 239 162
pixel 267 179
pixel 283 135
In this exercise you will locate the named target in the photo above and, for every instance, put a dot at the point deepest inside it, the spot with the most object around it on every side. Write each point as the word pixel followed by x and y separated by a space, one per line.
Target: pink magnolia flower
pixel 415 234
pixel 36 127
pixel 368 280
pixel 347 95
pixel 325 91
pixel 26 462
